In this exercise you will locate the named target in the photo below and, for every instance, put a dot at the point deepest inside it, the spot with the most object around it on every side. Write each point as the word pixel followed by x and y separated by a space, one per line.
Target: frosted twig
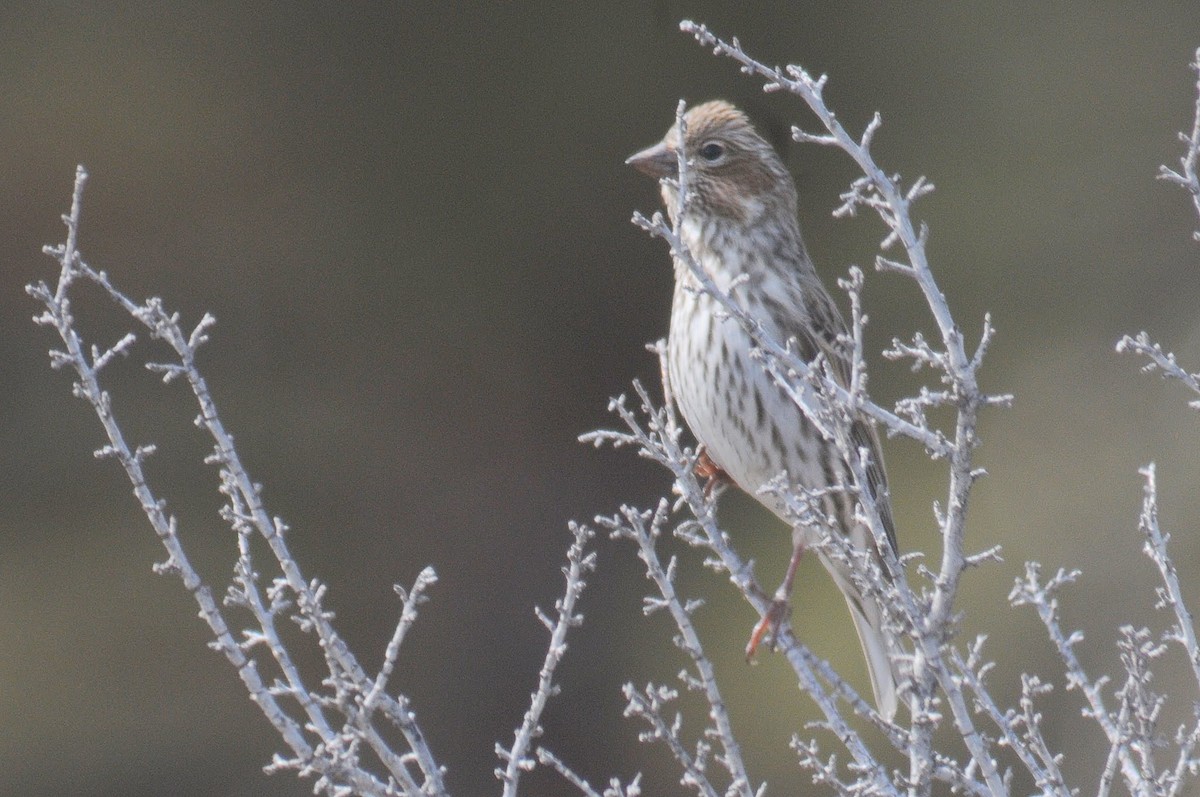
pixel 580 562
pixel 1171 594
pixel 547 758
pixel 1131 734
pixel 650 704
pixel 1020 731
pixel 1187 178
pixel 644 529
pixel 318 747
pixel 1160 360
pixel 411 598
pixel 1030 591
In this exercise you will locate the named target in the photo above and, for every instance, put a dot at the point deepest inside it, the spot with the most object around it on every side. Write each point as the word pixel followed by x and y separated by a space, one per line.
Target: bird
pixel 741 225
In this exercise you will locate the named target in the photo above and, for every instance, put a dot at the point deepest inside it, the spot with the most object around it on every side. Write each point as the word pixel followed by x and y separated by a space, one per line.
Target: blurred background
pixel 411 221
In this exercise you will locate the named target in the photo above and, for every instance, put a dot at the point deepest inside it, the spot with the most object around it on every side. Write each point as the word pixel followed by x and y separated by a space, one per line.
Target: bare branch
pixel 580 562
pixel 323 730
pixel 1186 178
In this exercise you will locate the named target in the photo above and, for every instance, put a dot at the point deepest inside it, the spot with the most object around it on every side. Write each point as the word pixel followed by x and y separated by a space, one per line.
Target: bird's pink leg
pixel 780 606
pixel 710 472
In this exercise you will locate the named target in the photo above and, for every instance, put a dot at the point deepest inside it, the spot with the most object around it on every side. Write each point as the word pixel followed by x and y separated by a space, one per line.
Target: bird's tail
pixel 871 634
pixel 868 621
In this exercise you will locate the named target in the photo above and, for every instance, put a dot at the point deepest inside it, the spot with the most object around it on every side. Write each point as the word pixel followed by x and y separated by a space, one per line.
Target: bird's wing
pixel 826 322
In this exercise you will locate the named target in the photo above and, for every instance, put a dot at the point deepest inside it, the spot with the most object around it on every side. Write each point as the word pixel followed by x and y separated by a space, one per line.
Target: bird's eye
pixel 712 151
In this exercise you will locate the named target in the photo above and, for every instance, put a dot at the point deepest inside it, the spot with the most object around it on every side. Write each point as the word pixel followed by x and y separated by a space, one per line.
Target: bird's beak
pixel 657 161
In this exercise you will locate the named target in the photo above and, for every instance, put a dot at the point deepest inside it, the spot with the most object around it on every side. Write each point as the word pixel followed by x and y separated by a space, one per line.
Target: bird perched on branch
pixel 739 224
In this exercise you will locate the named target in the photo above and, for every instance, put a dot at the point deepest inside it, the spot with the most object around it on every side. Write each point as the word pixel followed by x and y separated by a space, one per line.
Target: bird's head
pixel 732 171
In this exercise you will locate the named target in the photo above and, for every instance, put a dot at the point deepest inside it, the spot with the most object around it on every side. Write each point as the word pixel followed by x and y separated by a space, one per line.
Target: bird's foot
pixel 778 612
pixel 714 478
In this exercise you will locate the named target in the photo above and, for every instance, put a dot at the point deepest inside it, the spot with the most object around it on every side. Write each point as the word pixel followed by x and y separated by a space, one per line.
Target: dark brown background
pixel 411 221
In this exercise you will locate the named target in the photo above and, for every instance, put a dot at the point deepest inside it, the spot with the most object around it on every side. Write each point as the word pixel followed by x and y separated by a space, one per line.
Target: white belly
pixel 749 426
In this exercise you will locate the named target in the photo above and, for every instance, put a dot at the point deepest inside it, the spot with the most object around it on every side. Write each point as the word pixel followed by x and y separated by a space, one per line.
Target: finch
pixel 740 225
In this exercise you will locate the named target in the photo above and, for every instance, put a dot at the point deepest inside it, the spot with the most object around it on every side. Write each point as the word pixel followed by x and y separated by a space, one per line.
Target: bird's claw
pixel 714 477
pixel 773 618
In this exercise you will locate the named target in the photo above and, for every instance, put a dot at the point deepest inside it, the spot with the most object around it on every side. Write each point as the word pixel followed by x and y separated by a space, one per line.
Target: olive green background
pixel 411 222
